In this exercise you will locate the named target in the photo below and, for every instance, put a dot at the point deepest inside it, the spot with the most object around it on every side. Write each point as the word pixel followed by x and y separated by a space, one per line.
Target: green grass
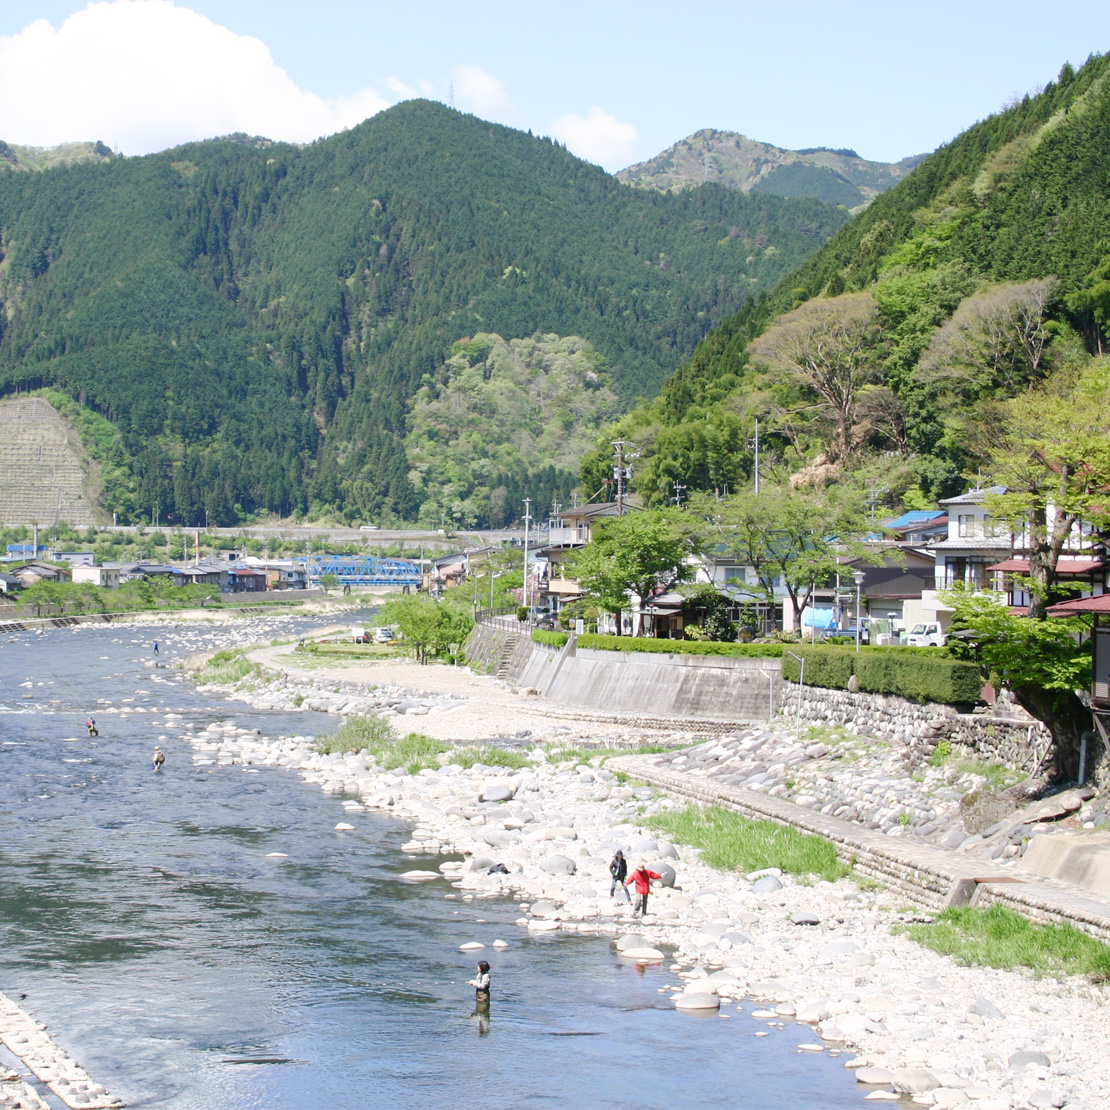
pixel 998 937
pixel 734 843
pixel 491 757
pixel 226 668
pixel 941 754
pixel 371 732
pixel 998 775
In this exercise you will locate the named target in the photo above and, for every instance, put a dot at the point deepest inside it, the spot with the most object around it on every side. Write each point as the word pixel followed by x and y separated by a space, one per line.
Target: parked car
pixel 384 635
pixel 360 635
pixel 926 635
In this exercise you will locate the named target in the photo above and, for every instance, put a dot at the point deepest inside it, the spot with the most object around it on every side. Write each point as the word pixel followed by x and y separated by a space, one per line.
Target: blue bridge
pixel 364 570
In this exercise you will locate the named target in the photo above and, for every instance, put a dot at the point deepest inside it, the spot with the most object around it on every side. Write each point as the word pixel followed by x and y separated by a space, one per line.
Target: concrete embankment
pixel 28 1040
pixel 703 687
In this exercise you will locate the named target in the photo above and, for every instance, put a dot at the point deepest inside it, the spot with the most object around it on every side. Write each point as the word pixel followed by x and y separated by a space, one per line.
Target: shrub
pixel 678 647
pixel 900 671
pixel 552 639
pixel 491 757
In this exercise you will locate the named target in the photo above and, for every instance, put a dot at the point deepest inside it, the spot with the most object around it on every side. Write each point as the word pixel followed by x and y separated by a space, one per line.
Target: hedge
pixel 905 672
pixel 552 639
pixel 678 647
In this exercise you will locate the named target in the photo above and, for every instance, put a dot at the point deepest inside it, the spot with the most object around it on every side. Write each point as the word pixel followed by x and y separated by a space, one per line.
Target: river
pixel 145 920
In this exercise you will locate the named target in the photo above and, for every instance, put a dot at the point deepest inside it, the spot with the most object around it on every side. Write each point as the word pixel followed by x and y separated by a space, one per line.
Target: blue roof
pixel 915 516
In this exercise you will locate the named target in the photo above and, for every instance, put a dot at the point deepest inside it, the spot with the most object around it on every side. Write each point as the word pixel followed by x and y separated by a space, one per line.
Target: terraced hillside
pixel 42 477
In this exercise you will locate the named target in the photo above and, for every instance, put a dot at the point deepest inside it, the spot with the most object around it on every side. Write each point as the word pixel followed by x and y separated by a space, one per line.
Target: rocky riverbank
pixel 820 955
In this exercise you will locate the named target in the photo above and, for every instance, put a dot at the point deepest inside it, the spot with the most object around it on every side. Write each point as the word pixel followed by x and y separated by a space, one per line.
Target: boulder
pixel 559 865
pixel 913 1081
pixel 630 940
pixel 497 792
pixel 767 885
pixel 985 1008
pixel 666 871
pixel 1029 1056
pixel 873 1075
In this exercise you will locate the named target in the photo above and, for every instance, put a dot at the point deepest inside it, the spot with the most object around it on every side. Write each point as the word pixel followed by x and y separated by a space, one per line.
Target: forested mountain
pixel 27 158
pixel 727 158
pixel 883 357
pixel 253 319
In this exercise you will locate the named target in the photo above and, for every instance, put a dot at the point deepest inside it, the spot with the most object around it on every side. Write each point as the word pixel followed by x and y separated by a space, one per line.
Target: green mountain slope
pixel 254 317
pixel 963 285
pixel 727 158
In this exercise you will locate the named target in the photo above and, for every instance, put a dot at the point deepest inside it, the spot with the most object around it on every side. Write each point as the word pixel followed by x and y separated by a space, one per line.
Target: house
pixel 1078 576
pixel 567 532
pixel 108 575
pixel 973 543
pixel 281 574
pixel 76 558
pixel 30 573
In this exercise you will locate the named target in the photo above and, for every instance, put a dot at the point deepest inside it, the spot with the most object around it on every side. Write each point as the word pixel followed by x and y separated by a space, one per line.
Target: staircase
pixel 508 650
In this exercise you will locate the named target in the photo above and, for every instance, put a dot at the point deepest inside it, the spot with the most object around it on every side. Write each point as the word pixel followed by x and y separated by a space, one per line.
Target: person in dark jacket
pixel 642 878
pixel 618 868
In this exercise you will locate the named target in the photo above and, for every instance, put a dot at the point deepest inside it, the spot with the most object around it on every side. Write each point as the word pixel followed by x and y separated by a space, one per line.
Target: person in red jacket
pixel 642 878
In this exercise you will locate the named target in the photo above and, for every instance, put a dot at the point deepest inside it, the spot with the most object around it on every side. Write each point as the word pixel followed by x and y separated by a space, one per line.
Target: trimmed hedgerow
pixel 678 647
pixel 905 672
pixel 552 639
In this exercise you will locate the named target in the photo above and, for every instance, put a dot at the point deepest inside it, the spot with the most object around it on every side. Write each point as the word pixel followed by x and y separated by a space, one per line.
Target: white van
pixel 926 635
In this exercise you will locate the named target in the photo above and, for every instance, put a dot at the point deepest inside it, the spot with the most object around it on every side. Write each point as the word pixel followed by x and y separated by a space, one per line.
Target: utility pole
pixel 757 458
pixel 527 523
pixel 678 487
pixel 622 472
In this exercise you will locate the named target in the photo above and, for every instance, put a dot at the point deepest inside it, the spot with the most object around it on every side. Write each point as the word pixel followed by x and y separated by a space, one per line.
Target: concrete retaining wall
pixel 702 686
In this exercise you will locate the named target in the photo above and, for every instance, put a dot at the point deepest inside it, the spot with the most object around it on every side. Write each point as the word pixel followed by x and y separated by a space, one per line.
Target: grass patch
pixel 998 937
pixel 414 751
pixel 941 754
pixel 998 775
pixel 226 668
pixel 734 843
pixel 490 757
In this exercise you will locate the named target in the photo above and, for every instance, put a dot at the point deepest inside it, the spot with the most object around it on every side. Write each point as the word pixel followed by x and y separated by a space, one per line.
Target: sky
pixel 617 81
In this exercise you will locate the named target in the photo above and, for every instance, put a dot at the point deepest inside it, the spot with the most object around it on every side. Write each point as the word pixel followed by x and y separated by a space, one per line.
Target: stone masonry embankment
pixel 927 876
pixel 1018 742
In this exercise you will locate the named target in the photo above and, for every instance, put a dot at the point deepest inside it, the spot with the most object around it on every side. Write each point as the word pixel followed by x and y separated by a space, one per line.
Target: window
pixel 966 525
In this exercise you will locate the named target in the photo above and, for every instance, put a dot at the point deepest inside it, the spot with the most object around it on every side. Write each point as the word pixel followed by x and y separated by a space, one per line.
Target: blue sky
pixel 617 81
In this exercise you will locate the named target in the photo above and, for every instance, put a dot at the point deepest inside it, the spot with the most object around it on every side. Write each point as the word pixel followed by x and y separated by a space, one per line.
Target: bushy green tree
pixel 634 554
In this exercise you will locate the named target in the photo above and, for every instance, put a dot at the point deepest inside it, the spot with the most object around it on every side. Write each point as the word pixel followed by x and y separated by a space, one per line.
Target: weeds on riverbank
pixel 491 757
pixel 998 937
pixel 734 843
pixel 226 668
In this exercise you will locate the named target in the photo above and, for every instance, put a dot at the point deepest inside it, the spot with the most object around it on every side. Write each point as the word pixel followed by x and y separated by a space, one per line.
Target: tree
pixel 634 554
pixel 995 343
pixel 1054 461
pixel 1041 662
pixel 794 539
pixel 428 626
pixel 828 346
pixel 328 582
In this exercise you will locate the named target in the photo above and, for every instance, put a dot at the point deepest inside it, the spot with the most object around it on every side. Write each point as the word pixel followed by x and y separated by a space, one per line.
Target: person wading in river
pixel 481 983
pixel 90 724
pixel 642 878
pixel 158 758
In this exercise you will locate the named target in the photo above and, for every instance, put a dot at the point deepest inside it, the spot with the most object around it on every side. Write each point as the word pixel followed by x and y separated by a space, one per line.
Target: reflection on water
pixel 186 967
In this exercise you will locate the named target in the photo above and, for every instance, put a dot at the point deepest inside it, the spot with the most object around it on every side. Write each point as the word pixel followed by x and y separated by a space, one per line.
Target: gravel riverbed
pixel 819 955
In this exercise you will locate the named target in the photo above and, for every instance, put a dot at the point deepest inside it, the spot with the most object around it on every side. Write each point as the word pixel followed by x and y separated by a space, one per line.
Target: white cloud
pixel 598 137
pixel 143 75
pixel 478 91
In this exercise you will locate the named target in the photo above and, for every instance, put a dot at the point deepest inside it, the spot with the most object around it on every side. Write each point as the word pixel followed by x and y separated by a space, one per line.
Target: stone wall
pixel 1018 742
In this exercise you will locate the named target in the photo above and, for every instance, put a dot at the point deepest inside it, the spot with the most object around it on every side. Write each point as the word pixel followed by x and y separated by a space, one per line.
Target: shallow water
pixel 185 968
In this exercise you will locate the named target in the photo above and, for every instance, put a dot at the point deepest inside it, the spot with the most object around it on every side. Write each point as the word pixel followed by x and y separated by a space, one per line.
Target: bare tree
pixel 828 346
pixel 996 341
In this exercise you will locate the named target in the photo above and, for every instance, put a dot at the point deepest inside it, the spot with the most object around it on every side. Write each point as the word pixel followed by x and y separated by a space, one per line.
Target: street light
pixel 858 576
pixel 491 578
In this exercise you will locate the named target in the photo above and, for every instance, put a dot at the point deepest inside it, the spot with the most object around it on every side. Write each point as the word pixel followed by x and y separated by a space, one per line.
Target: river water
pixel 143 919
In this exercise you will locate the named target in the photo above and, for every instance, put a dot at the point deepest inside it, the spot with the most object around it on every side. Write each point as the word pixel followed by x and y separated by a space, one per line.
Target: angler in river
pixel 158 758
